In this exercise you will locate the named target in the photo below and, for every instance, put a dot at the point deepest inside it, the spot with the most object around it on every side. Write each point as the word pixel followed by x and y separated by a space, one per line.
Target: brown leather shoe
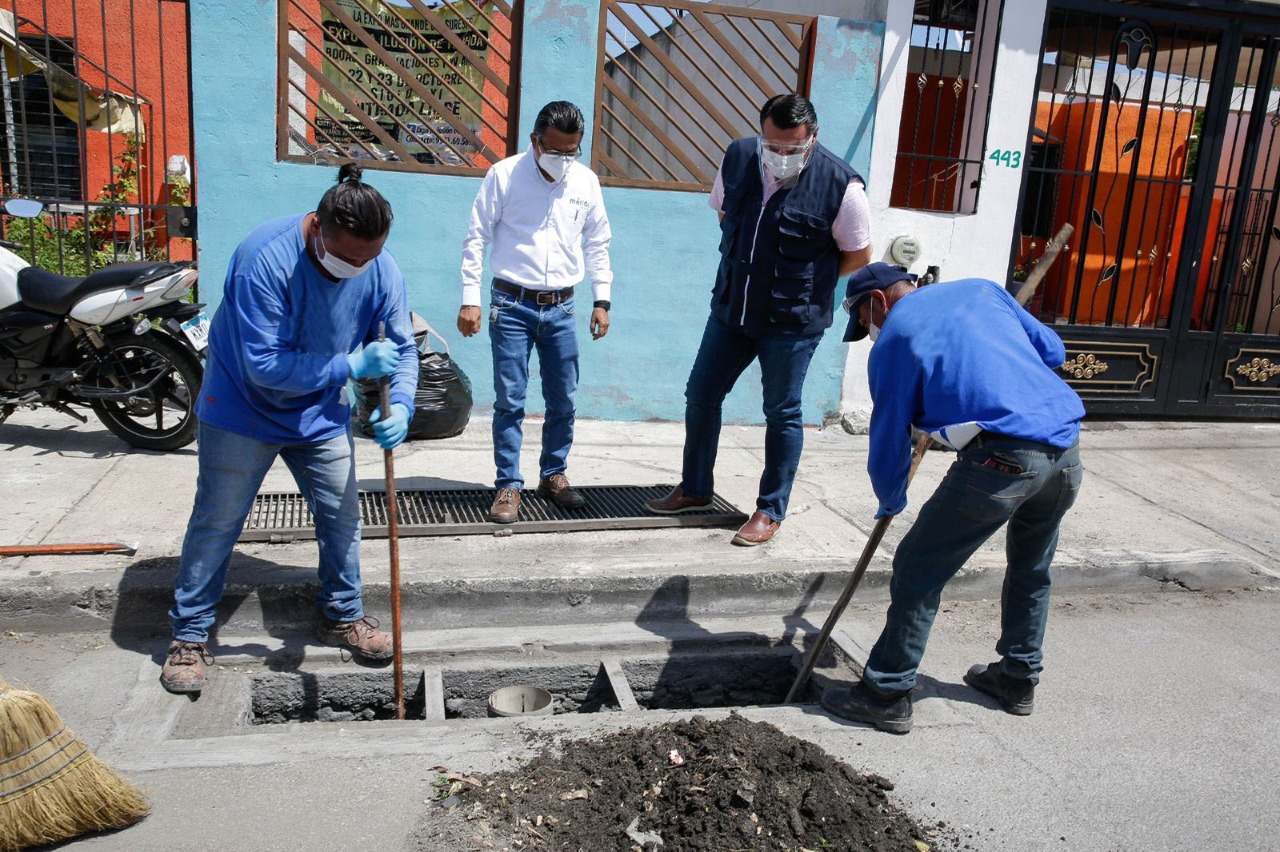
pixel 557 489
pixel 506 506
pixel 184 664
pixel 362 638
pixel 758 529
pixel 676 502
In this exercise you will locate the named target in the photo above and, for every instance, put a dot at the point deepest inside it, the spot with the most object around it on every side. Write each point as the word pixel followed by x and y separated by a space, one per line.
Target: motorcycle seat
pixel 55 294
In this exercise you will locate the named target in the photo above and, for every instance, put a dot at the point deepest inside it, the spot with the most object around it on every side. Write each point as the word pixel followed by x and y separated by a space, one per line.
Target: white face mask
pixel 873 331
pixel 337 267
pixel 784 166
pixel 554 165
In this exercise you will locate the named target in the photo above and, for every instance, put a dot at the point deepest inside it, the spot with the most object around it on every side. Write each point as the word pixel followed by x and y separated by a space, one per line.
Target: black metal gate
pixel 1156 133
pixel 95 122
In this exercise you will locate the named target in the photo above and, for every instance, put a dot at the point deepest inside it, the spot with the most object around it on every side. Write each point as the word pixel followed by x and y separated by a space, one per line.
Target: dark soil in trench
pixel 697 785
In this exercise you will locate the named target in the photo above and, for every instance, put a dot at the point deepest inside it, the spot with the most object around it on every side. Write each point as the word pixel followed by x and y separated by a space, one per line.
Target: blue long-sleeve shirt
pixel 277 359
pixel 962 352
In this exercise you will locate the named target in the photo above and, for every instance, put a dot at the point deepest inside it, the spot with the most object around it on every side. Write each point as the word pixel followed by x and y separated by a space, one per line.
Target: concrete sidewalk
pixel 1154 727
pixel 1189 504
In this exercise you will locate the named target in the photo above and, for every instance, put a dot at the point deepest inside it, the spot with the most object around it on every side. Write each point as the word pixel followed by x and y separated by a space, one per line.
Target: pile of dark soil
pixel 693 785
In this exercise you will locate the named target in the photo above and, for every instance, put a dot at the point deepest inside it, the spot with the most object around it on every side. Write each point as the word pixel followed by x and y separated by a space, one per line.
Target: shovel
pixel 393 539
pixel 1024 295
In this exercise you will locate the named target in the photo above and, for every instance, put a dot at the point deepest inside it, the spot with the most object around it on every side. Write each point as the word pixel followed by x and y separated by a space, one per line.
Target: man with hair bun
pixel 793 220
pixel 304 299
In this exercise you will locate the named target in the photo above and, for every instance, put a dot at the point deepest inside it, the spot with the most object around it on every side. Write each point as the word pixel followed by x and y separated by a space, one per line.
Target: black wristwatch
pixel 602 303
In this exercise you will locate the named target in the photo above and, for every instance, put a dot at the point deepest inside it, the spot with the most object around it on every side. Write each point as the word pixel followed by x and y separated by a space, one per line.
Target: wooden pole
pixel 127 548
pixel 393 538
pixel 868 551
pixel 1046 260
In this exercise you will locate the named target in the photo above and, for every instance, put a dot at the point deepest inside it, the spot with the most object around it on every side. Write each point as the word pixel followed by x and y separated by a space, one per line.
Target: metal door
pixel 1155 135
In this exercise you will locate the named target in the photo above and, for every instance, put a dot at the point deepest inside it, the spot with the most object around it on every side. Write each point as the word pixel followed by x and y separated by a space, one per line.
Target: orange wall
pixel 924 115
pixel 1156 235
pixel 1153 240
pixel 130 51
pixel 137 33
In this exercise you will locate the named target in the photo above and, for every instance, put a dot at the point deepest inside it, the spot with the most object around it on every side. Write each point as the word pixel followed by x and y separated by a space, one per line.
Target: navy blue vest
pixel 779 265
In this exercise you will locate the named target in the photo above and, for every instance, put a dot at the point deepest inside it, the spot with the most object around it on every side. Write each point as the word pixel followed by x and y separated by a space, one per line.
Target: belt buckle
pixel 545 297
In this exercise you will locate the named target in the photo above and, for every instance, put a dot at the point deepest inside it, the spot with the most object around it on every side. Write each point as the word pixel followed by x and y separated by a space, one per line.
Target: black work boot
pixel 1014 694
pixel 889 712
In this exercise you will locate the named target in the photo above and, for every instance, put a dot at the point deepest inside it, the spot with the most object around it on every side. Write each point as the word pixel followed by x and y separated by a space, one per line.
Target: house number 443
pixel 1012 159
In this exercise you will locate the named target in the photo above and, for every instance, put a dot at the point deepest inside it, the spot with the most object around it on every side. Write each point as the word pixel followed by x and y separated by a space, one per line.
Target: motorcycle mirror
pixel 25 208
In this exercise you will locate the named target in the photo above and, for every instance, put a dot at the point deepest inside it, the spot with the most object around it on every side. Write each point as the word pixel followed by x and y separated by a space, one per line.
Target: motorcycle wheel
pixel 162 417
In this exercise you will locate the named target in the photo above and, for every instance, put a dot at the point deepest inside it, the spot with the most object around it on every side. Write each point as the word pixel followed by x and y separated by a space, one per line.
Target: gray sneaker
pixel 1014 694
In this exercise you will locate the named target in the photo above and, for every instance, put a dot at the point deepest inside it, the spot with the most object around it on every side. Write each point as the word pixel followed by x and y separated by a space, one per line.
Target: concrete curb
pixel 265 599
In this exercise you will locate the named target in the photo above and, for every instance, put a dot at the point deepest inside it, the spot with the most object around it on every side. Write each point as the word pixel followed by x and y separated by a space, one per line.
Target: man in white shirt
pixel 542 217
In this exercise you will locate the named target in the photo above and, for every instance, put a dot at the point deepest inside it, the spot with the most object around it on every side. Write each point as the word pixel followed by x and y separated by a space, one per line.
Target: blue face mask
pixel 336 266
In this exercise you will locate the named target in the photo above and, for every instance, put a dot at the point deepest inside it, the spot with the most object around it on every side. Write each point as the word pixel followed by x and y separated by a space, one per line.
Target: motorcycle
pixel 120 341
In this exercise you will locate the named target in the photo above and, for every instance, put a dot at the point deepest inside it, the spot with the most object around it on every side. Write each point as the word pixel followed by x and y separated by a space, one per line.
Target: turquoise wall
pixel 664 243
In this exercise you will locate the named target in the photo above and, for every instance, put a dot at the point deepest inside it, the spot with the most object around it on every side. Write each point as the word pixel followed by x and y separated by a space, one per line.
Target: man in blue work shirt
pixel 793 219
pixel 302 292
pixel 965 363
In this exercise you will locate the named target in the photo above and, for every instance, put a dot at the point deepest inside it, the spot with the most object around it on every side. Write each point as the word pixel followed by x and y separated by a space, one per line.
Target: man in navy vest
pixel 793 220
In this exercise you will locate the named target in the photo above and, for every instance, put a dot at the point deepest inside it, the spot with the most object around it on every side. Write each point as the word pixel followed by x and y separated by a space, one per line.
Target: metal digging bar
pixel 1024 295
pixel 393 539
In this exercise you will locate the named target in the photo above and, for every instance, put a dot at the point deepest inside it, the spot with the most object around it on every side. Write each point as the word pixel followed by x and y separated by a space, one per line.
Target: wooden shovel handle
pixel 127 548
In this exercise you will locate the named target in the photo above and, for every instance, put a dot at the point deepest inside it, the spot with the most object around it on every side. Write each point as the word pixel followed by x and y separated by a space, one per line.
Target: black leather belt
pixel 542 297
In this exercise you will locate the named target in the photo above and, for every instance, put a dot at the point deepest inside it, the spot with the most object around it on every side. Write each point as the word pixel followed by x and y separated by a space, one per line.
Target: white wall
pixel 963 246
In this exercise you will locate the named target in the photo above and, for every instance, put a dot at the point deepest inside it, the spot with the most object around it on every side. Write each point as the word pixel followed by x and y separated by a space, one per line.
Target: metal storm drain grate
pixel 285 516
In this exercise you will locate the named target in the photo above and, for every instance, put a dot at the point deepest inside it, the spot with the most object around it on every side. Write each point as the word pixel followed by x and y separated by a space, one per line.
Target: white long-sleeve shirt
pixel 541 235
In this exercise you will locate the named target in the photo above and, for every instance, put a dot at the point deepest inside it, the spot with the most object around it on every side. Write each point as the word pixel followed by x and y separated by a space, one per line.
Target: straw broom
pixel 51 787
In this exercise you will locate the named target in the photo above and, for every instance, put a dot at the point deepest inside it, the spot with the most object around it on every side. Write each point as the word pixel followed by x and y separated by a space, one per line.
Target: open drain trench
pixel 717 676
pixel 284 516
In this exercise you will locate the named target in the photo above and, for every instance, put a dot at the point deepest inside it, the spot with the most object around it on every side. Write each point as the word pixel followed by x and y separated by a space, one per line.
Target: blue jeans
pixel 516 326
pixel 232 467
pixel 994 481
pixel 725 352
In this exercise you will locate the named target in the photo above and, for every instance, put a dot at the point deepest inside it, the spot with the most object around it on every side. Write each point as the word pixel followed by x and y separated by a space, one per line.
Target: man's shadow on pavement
pixel 705 669
pixel 282 595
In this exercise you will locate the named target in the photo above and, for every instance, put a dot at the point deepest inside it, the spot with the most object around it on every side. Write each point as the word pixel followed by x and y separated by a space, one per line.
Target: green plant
pixel 81 244
pixel 1193 146
pixel 113 198
pixel 62 251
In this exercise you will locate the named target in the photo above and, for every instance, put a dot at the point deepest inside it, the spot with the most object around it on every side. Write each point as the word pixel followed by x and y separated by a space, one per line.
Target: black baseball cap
pixel 873 276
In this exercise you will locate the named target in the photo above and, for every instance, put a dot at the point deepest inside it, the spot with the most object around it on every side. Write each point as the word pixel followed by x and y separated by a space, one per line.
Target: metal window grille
pixel 679 80
pixel 96 125
pixel 49 164
pixel 942 135
pixel 420 85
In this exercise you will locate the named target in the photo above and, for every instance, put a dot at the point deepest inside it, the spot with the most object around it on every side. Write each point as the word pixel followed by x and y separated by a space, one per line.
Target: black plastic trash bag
pixel 442 405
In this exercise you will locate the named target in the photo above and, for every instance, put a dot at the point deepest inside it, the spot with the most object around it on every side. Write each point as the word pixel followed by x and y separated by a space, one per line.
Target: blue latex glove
pixel 390 433
pixel 881 512
pixel 375 360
